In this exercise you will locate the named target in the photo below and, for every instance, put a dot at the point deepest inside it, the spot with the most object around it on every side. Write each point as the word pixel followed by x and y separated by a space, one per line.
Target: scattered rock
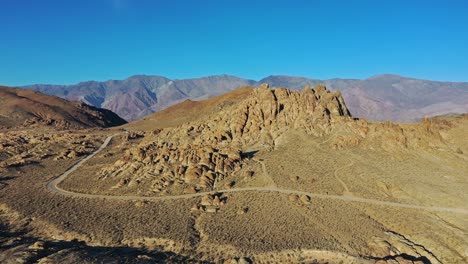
pixel 305 199
pixel 293 197
pixel 141 203
pixel 72 154
pixel 244 260
pixel 39 245
pixel 249 174
pixel 230 261
pixel 195 208
pixel 133 135
pixel 229 185
pixel 207 200
pixel 243 210
pixel 216 201
pixel 294 178
pixel 211 209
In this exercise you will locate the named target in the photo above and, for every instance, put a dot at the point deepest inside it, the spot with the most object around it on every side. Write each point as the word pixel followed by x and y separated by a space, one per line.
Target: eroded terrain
pixel 279 177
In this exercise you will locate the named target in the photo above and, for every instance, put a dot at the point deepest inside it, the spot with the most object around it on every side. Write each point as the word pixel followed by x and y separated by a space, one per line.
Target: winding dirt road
pixel 53 187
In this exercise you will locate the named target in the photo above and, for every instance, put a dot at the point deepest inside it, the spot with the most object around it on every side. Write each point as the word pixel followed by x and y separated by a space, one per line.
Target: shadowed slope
pixel 20 107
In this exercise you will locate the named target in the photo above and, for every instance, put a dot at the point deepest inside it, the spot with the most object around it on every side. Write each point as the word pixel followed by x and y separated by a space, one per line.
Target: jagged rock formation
pixel 194 156
pixel 24 108
pixel 268 112
pixel 197 154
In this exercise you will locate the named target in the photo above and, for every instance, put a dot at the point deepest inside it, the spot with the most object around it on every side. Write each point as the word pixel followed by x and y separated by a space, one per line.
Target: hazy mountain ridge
pixel 380 97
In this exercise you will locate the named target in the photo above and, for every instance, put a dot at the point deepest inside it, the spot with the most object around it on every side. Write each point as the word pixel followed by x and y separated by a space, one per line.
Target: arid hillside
pixel 25 108
pixel 202 143
pixel 298 152
pixel 210 148
pixel 256 175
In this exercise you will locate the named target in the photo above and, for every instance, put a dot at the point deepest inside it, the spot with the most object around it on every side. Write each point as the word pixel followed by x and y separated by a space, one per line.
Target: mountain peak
pixel 386 76
pixel 144 76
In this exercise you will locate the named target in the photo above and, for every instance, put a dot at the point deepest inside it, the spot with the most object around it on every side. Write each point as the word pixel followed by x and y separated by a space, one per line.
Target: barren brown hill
pixel 27 108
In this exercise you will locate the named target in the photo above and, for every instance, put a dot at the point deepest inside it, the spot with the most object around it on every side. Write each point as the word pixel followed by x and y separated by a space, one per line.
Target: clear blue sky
pixel 63 42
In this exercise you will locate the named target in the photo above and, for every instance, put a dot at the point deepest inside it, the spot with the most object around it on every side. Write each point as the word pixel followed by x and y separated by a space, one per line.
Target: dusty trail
pixel 52 186
pixel 345 187
pixel 271 183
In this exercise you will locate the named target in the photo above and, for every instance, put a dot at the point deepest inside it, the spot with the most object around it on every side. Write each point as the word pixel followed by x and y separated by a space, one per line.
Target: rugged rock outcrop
pixel 198 154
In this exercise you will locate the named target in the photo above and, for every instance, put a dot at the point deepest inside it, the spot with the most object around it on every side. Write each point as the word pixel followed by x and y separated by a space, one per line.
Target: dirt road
pixel 345 187
pixel 52 186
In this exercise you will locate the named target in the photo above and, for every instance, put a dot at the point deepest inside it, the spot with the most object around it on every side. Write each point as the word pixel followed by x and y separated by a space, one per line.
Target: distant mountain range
pixel 379 98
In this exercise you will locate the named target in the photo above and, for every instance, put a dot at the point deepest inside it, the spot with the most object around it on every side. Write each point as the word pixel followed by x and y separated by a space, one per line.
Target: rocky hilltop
pixel 194 155
pixel 25 108
pixel 199 153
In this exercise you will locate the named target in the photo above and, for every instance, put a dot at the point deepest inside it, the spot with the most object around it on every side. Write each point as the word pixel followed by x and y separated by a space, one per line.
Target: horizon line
pixel 235 76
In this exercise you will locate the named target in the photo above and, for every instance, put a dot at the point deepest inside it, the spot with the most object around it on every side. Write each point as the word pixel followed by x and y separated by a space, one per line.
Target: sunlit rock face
pixel 196 154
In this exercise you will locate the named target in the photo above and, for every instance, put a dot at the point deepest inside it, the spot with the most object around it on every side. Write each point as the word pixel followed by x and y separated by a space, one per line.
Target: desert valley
pixel 258 174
